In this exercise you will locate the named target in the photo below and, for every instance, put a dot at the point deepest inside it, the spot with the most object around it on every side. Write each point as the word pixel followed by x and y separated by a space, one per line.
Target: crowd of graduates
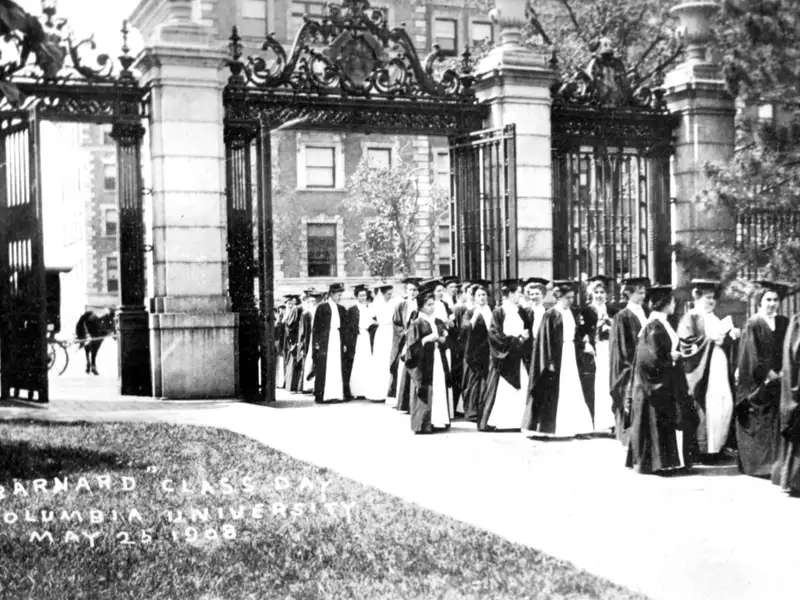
pixel 674 391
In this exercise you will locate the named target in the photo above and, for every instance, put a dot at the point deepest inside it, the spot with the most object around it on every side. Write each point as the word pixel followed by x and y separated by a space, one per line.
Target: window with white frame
pixel 482 31
pixel 445 34
pixel 322 249
pixel 379 158
pixel 320 166
pixel 110 177
pixel 112 274
pixel 110 221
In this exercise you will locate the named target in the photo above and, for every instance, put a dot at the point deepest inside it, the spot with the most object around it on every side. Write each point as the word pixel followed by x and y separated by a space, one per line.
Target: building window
pixel 445 35
pixel 110 222
pixel 379 158
pixel 112 274
pixel 110 177
pixel 442 169
pixel 254 9
pixel 320 167
pixel 315 10
pixel 482 31
pixel 321 249
pixel 107 139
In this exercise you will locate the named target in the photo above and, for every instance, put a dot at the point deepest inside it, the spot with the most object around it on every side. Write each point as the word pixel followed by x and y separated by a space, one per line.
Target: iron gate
pixel 483 205
pixel 23 308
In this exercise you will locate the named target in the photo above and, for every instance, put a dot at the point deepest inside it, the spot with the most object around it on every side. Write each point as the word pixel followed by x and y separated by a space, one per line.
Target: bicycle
pixel 53 346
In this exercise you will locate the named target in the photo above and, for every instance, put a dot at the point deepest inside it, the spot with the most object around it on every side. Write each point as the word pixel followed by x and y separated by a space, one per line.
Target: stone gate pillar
pixel 515 81
pixel 192 331
pixel 695 91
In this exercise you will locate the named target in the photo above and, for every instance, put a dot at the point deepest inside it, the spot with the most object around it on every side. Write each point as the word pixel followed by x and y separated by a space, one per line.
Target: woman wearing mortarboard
pixel 556 406
pixel 360 318
pixel 475 328
pixel 758 388
pixel 330 336
pixel 597 318
pixel 507 383
pixel 706 343
pixel 293 358
pixel 427 368
pixel 660 407
pixel 383 310
pixel 622 342
pixel 404 313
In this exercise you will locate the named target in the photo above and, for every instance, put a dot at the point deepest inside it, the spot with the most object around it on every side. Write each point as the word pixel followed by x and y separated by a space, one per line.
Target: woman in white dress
pixel 597 317
pixel 556 405
pixel 507 383
pixel 310 309
pixel 705 344
pixel 362 318
pixel 383 310
pixel 443 312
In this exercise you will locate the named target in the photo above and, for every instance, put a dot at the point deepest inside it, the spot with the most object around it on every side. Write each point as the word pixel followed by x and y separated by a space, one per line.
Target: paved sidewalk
pixel 717 535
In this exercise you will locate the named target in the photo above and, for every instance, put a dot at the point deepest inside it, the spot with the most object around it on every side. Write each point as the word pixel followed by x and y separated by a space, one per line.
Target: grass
pixel 387 549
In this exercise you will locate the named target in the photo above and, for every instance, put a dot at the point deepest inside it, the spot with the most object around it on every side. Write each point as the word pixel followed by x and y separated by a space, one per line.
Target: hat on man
pixel 636 282
pixel 335 288
pixel 780 288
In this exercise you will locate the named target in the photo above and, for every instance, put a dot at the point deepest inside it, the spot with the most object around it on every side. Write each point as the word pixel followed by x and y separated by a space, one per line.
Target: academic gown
pixel 757 404
pixel 786 472
pixel 555 403
pixel 476 364
pixel 293 353
pixel 597 333
pixel 455 342
pixel 701 355
pixel 305 347
pixel 428 376
pixel 657 405
pixel 622 343
pixel 505 366
pixel 399 386
pixel 329 353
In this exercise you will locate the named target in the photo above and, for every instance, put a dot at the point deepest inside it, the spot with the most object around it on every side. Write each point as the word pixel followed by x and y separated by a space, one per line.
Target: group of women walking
pixel 674 392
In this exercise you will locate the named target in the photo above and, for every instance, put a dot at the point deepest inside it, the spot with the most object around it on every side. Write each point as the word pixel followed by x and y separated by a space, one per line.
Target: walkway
pixel 712 536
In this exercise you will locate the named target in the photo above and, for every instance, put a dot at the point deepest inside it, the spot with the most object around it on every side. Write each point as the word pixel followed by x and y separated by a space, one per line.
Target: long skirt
pixel 363 372
pixel 572 414
pixel 509 403
pixel 430 404
pixel 786 472
pixel 403 400
pixel 719 402
pixel 334 386
pixel 294 373
pixel 280 371
pixel 758 431
pixel 603 413
pixel 381 361
pixel 307 383
pixel 473 390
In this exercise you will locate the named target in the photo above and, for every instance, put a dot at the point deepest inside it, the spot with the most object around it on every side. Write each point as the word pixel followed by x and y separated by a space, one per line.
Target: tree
pixel 393 216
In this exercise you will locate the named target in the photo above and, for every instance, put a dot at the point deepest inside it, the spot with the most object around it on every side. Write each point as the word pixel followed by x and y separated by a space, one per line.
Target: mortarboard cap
pixel 451 279
pixel 780 288
pixel 604 279
pixel 335 288
pixel 538 281
pixel 637 282
pixel 658 292
pixel 706 284
pixel 415 281
pixel 383 287
pixel 510 283
pixel 565 285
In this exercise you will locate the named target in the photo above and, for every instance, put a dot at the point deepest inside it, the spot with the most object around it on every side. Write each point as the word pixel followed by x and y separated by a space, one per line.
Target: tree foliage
pixel 396 218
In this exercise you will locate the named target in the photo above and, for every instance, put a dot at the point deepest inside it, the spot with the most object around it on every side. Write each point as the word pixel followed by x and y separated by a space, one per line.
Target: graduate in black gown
pixel 452 283
pixel 555 404
pixel 786 472
pixel 331 340
pixel 404 312
pixel 293 357
pixel 426 365
pixel 758 390
pixel 659 398
pixel 509 340
pixel 534 292
pixel 622 350
pixel 475 327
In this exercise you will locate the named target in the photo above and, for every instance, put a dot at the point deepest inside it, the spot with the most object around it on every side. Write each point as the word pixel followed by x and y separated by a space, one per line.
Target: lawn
pixel 174 512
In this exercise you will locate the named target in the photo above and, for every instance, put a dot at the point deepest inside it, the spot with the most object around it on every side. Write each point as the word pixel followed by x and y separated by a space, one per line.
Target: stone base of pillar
pixel 134 352
pixel 194 355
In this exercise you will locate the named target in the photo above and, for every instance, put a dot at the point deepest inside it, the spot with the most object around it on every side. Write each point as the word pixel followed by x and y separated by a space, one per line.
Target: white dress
pixel 307 385
pixel 440 312
pixel 509 403
pixel 363 372
pixel 381 349
pixel 334 386
pixel 572 415
pixel 441 399
pixel 719 399
pixel 603 414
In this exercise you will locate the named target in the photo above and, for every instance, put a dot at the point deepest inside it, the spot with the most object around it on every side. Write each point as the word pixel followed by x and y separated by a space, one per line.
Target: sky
pixel 103 18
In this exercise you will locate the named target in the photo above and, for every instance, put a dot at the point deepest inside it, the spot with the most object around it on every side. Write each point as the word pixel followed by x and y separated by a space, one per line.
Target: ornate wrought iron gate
pixel 64 79
pixel 611 200
pixel 483 209
pixel 23 322
pixel 344 72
